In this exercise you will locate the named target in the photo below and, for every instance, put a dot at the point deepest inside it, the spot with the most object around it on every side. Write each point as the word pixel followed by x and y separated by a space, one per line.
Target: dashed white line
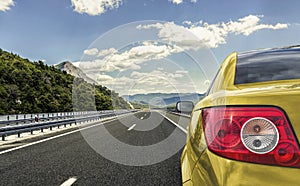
pixel 69 182
pixel 130 128
pixel 142 117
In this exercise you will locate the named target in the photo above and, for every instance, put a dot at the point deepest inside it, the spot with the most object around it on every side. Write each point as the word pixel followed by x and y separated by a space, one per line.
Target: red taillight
pixel 258 135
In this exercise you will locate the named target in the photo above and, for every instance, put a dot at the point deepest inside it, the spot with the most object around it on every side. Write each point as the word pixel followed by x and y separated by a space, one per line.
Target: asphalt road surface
pixel 138 149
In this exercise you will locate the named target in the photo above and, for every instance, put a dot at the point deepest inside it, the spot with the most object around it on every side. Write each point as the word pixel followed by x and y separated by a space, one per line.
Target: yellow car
pixel 245 131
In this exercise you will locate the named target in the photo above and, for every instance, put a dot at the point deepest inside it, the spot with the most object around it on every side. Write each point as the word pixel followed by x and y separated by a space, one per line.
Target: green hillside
pixel 33 87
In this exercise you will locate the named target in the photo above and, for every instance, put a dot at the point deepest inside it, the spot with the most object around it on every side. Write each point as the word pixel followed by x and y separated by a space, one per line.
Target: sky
pixel 143 46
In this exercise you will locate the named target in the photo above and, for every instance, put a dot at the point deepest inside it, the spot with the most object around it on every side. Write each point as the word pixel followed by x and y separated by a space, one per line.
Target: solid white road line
pixel 130 128
pixel 54 137
pixel 180 127
pixel 69 182
pixel 179 114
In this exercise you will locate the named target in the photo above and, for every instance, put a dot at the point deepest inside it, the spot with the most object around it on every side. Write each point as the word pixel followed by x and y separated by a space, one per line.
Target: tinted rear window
pixel 268 66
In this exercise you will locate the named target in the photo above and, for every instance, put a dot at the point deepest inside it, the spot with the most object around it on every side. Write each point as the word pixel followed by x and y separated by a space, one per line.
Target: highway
pixel 137 149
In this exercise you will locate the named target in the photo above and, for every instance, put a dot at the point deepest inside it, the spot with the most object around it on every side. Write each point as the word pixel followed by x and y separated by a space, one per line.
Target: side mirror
pixel 184 106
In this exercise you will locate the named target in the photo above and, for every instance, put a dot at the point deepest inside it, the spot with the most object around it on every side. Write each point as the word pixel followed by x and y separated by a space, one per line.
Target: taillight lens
pixel 258 135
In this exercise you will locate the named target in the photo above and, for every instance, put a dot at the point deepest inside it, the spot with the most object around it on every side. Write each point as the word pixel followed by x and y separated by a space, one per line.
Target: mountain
pixel 162 98
pixel 183 97
pixel 33 87
pixel 74 71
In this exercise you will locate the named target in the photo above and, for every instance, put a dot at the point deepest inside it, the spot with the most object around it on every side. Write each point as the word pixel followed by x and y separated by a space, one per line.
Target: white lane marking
pixel 145 114
pixel 142 117
pixel 69 182
pixel 130 128
pixel 179 114
pixel 180 127
pixel 54 137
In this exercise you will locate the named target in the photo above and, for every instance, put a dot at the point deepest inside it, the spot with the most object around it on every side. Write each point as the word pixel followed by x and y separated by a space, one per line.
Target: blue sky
pixel 59 30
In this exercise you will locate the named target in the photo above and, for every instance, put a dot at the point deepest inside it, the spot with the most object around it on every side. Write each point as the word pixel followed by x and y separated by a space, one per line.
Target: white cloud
pixel 102 53
pixel 76 64
pixel 181 72
pixel 91 52
pixel 248 25
pixel 95 7
pixel 103 77
pixel 160 68
pixel 130 59
pixel 201 35
pixel 181 1
pixel 145 82
pixel 6 4
pixel 177 1
pixel 188 23
pixel 157 78
pixel 107 52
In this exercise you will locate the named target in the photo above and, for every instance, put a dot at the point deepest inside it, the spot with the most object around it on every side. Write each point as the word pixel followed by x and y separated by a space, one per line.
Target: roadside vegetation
pixel 34 87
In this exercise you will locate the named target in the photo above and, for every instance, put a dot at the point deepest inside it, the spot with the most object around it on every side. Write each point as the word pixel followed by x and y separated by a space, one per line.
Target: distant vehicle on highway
pixel 246 130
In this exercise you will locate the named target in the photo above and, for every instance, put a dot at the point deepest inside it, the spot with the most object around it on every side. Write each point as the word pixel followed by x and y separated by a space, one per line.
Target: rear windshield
pixel 268 66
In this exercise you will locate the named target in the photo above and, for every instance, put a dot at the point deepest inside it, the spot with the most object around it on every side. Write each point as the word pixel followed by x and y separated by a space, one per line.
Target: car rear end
pixel 246 130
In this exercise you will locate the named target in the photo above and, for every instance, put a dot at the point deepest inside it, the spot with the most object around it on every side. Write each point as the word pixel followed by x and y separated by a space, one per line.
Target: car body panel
pixel 215 170
pixel 286 97
pixel 207 168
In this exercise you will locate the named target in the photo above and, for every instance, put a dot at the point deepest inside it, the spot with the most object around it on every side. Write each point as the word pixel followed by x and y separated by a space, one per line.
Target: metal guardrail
pixel 27 118
pixel 60 120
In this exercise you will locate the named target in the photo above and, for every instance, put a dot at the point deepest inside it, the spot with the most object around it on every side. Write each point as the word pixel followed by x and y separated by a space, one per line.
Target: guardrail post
pixel 19 134
pixel 31 132
pixel 50 127
pixel 3 137
pixel 42 130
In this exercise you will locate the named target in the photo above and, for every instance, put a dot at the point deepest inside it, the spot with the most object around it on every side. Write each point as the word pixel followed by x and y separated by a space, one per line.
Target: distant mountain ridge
pixel 74 71
pixel 163 98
